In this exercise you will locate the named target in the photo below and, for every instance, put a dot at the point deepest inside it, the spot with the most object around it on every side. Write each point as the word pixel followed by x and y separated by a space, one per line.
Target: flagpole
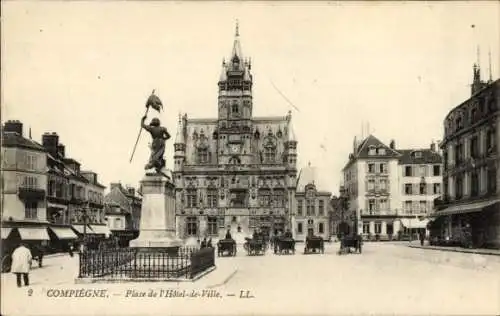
pixel 138 137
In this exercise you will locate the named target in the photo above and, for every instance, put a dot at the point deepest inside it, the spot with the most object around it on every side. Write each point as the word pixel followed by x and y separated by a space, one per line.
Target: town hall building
pixel 234 171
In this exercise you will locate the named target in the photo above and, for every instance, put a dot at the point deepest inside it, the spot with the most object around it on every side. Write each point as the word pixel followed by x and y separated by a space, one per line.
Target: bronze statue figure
pixel 159 135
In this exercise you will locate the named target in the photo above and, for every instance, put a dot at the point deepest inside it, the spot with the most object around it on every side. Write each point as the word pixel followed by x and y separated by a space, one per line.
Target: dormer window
pixel 418 154
pixel 381 151
pixel 372 150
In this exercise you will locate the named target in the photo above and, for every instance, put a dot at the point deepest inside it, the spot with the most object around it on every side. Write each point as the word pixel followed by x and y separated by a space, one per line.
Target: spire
pixel 179 137
pixel 291 132
pixel 236 45
pixel 223 74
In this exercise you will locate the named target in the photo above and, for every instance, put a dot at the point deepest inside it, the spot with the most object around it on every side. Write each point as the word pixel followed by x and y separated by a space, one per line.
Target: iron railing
pixel 146 263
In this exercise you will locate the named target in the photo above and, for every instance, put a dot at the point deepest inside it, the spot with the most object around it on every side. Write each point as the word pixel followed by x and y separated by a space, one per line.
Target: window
pixel 299 207
pixel 300 228
pixel 279 198
pixel 437 188
pixel 191 226
pixel 31 162
pixel 202 155
pixel 383 184
pixel 383 204
pixel 238 198
pixel 371 168
pixel 234 108
pixel 381 151
pixel 30 210
pixel 458 123
pixel 371 205
pixel 321 228
pixel 222 222
pixel 474 184
pixel 492 180
pixel 408 189
pixel 423 206
pixel 378 227
pixel 191 195
pixel 436 170
pixel 474 147
pixel 408 207
pixel 212 198
pixel 491 141
pixel 366 228
pixel 408 172
pixel 371 184
pixel 264 197
pixel 212 225
pixel 372 150
pixel 29 182
pixel 383 168
pixel 269 154
pixel 118 222
pixel 422 188
pixel 309 207
pixel 418 154
pixel 458 187
pixel 321 210
pixel 473 115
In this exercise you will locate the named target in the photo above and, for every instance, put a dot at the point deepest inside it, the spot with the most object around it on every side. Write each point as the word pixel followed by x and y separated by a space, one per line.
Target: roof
pixel 372 141
pixel 408 156
pixel 13 139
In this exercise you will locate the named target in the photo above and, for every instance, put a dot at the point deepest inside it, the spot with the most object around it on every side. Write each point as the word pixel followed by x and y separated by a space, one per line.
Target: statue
pixel 159 135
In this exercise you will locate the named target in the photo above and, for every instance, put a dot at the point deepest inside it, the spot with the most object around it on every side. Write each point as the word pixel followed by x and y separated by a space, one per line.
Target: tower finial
pixel 237 33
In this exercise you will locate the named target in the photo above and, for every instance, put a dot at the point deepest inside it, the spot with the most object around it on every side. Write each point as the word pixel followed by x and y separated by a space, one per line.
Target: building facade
pixel 391 190
pixel 24 189
pixel 469 210
pixel 123 212
pixel 234 171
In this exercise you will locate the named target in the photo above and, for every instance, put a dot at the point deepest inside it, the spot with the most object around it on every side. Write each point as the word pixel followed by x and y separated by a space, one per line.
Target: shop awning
pixel 33 233
pixel 101 229
pixel 81 230
pixel 414 222
pixel 64 232
pixel 5 232
pixel 466 208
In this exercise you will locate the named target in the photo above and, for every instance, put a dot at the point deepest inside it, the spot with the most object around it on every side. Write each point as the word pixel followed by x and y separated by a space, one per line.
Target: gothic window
pixel 212 197
pixel 191 195
pixel 203 155
pixel 321 208
pixel 234 108
pixel 269 154
pixel 264 197
pixel 299 208
pixel 191 226
pixel 239 198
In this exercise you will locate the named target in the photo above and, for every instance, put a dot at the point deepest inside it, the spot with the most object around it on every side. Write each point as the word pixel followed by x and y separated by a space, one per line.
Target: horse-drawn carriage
pixel 226 246
pixel 284 245
pixel 347 243
pixel 313 244
pixel 255 246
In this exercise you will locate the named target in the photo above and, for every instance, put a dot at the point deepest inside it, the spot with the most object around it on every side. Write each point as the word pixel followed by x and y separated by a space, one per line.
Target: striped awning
pixel 33 233
pixel 5 232
pixel 80 229
pixel 101 229
pixel 414 222
pixel 467 208
pixel 64 232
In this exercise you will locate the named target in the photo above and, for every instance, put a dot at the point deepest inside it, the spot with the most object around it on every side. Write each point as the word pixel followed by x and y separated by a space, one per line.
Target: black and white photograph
pixel 250 158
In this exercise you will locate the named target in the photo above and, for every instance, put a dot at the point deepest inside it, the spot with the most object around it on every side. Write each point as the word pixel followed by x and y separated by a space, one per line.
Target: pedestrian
pixel 204 243
pixel 70 250
pixel 21 264
pixel 209 243
pixel 422 239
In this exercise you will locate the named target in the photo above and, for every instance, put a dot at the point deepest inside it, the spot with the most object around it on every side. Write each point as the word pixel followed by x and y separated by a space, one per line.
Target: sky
pixel 84 70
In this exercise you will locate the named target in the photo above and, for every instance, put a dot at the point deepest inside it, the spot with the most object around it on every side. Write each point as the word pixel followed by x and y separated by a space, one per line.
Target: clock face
pixel 235 148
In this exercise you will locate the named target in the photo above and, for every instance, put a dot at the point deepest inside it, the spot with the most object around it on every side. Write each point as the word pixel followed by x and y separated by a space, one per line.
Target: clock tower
pixel 235 108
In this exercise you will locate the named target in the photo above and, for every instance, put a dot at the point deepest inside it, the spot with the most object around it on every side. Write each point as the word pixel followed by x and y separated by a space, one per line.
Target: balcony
pixel 33 194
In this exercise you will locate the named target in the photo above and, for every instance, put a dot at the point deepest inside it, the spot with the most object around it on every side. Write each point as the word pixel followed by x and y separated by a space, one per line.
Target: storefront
pixel 61 237
pixel 470 225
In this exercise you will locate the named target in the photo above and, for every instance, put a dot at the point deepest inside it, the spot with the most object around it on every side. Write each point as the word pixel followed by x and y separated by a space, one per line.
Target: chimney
pixel 51 141
pixel 131 191
pixel 114 185
pixel 14 126
pixel 433 147
pixel 61 150
pixel 392 144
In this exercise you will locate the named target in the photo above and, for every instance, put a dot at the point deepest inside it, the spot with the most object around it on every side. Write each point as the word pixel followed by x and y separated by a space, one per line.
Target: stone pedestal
pixel 157 226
